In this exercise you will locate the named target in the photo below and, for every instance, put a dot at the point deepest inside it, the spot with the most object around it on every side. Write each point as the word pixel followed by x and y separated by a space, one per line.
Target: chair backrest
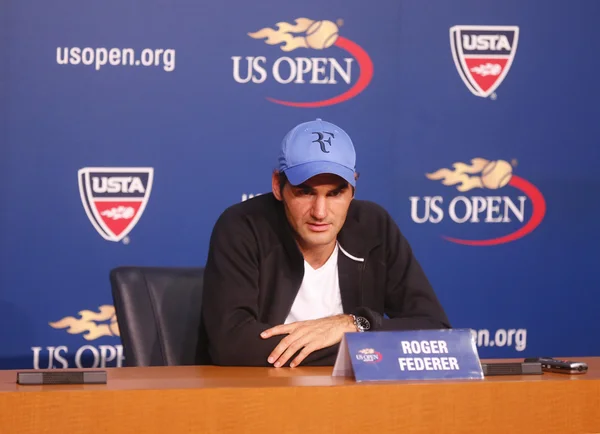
pixel 158 312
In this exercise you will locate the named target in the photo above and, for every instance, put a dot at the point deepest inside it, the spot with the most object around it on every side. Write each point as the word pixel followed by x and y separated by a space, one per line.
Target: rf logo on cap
pixel 322 142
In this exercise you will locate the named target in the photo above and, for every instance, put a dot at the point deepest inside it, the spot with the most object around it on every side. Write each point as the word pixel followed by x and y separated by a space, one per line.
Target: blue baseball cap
pixel 316 147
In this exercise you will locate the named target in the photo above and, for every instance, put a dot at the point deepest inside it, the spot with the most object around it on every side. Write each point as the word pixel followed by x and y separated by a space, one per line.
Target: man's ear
pixel 356 175
pixel 275 185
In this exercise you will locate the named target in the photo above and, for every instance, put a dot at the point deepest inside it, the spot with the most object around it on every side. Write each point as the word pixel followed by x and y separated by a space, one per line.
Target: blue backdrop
pixel 129 126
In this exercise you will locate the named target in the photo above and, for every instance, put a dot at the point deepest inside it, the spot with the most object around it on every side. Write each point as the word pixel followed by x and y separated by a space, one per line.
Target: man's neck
pixel 317 256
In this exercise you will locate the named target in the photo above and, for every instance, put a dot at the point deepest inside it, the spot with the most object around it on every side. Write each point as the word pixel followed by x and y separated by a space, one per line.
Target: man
pixel 289 272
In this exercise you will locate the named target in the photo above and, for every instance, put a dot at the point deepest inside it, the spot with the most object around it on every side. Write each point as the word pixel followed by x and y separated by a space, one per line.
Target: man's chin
pixel 318 238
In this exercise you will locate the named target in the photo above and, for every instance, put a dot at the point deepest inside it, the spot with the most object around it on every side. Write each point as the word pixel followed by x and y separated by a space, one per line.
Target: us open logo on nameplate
pixel 409 355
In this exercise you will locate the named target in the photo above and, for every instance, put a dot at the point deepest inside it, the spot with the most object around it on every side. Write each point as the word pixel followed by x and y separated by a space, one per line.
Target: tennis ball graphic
pixel 321 34
pixel 496 174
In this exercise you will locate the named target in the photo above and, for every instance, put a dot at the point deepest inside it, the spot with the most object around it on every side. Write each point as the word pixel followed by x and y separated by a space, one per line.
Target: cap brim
pixel 300 173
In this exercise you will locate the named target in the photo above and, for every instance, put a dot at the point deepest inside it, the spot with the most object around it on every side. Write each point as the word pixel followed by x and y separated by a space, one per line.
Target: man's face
pixel 316 209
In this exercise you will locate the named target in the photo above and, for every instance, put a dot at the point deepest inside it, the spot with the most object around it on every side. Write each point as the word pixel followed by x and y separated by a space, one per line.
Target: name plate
pixel 409 355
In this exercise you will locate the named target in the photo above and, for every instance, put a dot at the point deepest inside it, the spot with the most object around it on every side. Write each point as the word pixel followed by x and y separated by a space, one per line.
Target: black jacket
pixel 254 270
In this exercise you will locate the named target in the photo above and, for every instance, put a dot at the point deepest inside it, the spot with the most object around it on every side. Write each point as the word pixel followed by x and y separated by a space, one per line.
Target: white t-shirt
pixel 319 294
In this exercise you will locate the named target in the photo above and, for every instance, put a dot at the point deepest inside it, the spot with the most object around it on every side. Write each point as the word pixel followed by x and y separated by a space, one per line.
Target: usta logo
pixel 307 34
pixel 483 55
pixel 485 175
pixel 114 198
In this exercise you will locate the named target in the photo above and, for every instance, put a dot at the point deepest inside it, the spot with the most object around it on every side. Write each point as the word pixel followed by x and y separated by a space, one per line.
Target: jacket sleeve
pixel 410 301
pixel 230 300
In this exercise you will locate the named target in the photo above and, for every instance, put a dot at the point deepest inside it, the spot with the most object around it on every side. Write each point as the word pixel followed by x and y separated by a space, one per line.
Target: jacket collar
pixel 286 235
pixel 356 240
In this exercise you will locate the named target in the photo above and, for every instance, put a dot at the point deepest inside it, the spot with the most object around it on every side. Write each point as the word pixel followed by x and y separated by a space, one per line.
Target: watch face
pixel 363 323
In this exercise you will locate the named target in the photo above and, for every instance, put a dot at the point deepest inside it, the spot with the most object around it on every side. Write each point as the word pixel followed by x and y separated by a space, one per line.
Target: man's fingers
pixel 303 355
pixel 279 330
pixel 292 349
pixel 281 347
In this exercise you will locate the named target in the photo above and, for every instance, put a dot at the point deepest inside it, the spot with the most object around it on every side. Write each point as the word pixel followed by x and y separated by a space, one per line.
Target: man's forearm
pixel 243 346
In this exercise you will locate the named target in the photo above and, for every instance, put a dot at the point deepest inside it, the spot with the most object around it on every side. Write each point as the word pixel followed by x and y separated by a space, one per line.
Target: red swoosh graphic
pixel 366 73
pixel 539 210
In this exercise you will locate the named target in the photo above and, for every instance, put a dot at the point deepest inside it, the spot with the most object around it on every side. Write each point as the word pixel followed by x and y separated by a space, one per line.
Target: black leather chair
pixel 158 312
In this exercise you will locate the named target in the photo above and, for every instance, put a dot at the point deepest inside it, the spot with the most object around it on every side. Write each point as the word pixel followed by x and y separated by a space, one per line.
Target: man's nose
pixel 319 208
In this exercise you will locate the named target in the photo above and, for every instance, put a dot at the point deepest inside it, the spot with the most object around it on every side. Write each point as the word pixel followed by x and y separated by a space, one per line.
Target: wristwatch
pixel 361 323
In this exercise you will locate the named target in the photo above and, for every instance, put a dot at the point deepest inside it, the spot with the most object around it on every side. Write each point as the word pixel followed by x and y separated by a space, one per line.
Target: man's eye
pixel 335 193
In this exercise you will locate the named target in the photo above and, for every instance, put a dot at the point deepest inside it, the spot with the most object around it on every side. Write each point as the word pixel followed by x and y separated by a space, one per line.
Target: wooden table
pixel 198 399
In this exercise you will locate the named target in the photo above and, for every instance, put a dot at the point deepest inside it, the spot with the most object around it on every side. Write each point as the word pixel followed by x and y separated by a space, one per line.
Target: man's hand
pixel 307 336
